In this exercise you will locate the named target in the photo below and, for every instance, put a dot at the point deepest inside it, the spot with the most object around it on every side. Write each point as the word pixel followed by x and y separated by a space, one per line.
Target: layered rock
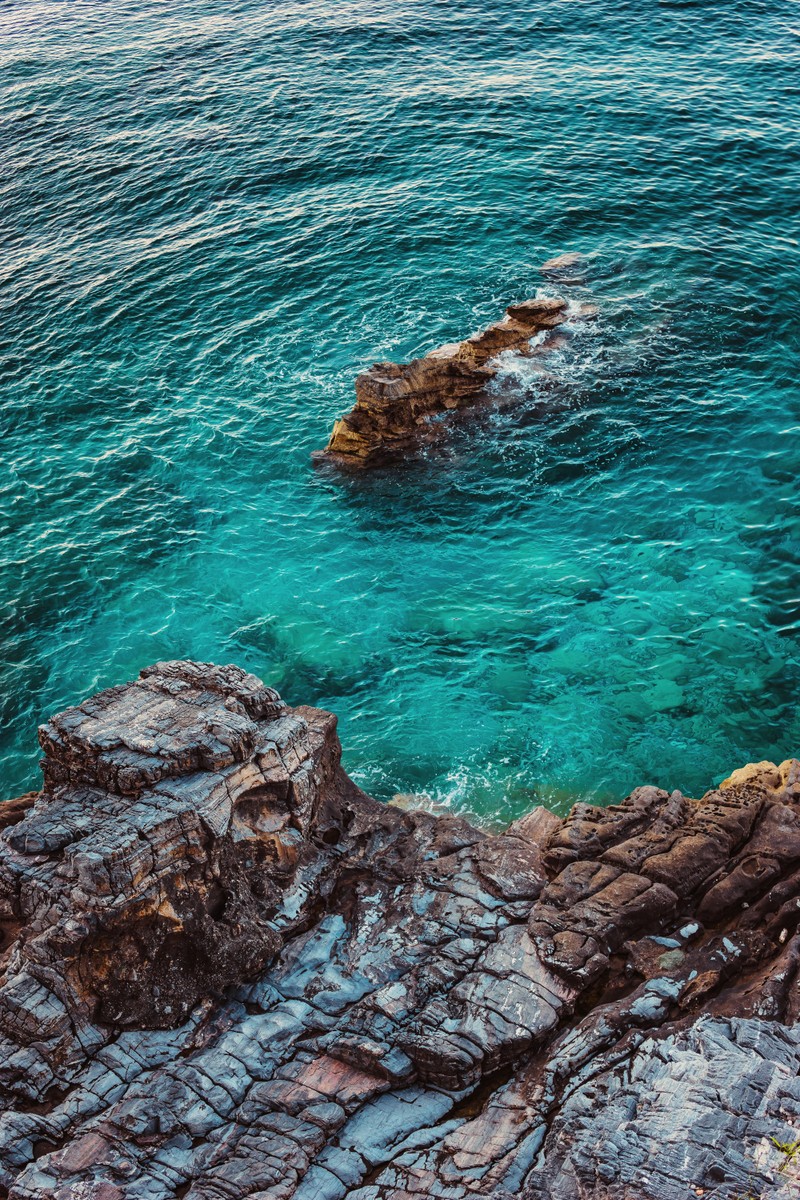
pixel 398 404
pixel 229 973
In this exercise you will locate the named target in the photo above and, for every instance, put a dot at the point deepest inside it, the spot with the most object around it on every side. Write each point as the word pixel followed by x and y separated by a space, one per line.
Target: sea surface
pixel 214 215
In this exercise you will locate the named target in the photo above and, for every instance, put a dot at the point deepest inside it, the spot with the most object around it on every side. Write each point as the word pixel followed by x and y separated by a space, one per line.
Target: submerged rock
pixel 227 973
pixel 567 269
pixel 397 403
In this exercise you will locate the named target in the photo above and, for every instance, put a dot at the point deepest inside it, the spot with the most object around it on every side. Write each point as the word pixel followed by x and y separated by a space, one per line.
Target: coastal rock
pixel 397 403
pixel 566 269
pixel 229 973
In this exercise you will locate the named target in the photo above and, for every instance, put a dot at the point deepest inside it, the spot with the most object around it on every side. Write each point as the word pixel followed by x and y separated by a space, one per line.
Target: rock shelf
pixel 229 973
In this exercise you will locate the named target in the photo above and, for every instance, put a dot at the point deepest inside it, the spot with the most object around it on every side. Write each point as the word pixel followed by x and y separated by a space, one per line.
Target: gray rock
pixel 228 973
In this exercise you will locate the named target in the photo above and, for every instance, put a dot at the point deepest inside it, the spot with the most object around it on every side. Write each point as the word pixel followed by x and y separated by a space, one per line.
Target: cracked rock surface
pixel 228 973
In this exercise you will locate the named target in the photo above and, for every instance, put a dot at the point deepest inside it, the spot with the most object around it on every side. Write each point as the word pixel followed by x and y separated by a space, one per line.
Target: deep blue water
pixel 215 214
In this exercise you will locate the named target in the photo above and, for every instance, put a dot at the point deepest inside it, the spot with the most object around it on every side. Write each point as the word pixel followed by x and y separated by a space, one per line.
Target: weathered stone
pixel 397 405
pixel 227 973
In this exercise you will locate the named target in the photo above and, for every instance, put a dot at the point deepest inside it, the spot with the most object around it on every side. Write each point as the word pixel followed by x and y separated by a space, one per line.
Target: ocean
pixel 214 215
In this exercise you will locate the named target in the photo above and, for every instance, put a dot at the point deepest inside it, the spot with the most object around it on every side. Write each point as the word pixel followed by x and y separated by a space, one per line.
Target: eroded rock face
pixel 397 403
pixel 228 973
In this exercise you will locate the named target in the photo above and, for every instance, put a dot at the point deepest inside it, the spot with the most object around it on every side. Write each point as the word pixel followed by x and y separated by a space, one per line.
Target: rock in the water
pixel 227 973
pixel 566 269
pixel 397 403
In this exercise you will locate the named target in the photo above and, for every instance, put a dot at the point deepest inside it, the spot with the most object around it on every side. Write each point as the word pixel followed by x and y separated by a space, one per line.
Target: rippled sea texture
pixel 215 214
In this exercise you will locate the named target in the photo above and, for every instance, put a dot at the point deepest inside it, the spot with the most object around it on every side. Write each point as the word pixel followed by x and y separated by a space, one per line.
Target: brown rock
pixel 396 403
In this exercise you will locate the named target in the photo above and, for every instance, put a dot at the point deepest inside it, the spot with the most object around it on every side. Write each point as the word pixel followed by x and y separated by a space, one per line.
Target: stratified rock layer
pixel 397 403
pixel 228 973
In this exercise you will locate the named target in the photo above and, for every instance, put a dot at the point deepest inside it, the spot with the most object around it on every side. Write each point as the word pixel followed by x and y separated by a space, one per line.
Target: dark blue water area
pixel 215 215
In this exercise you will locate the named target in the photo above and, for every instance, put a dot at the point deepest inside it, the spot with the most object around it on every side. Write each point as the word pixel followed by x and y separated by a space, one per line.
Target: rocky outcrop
pixel 398 405
pixel 228 973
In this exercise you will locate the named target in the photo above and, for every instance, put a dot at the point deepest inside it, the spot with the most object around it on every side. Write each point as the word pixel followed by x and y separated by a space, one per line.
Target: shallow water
pixel 214 215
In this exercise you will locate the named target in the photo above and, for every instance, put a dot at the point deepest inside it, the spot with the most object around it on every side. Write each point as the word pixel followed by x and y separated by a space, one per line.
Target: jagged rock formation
pixel 398 404
pixel 228 973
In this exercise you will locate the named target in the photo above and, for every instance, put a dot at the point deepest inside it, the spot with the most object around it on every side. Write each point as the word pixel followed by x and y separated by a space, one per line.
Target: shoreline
pixel 223 961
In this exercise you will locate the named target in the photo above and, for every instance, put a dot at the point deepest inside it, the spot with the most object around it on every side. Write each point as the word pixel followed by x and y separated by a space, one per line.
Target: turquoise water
pixel 215 214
